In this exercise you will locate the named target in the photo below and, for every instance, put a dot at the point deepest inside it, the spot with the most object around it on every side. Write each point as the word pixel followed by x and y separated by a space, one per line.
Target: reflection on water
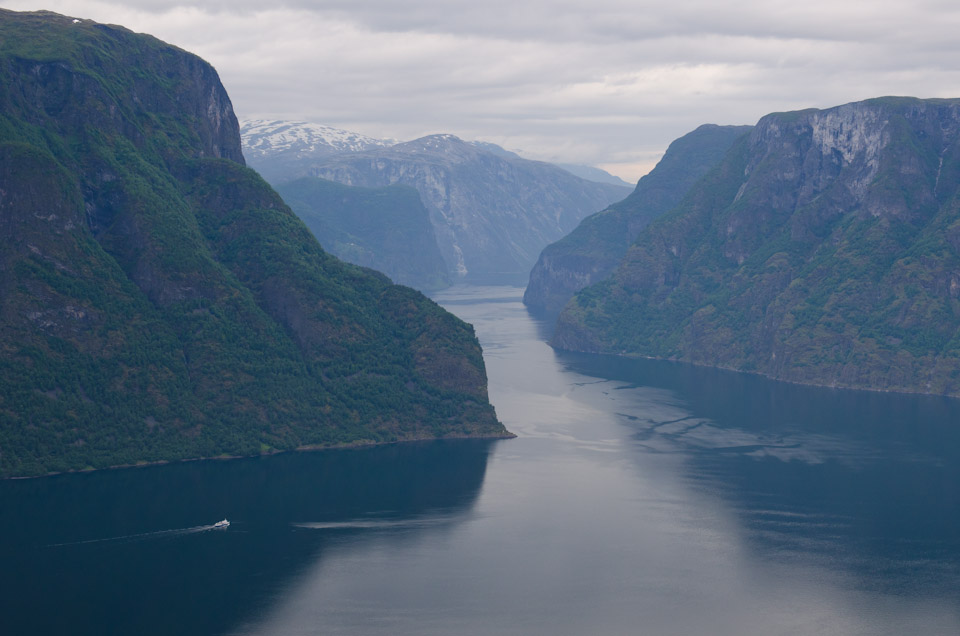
pixel 640 497
pixel 821 511
pixel 95 553
pixel 865 483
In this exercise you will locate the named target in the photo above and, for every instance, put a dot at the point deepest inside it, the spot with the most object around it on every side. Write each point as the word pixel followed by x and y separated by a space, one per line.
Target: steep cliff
pixel 387 229
pixel 592 251
pixel 825 249
pixel 159 301
pixel 492 213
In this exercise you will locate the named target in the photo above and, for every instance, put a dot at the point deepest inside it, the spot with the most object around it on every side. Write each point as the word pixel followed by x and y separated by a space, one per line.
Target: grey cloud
pixel 598 82
pixel 606 20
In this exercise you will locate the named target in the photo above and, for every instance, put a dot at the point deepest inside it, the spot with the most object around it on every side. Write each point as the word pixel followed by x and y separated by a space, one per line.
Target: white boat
pixel 222 524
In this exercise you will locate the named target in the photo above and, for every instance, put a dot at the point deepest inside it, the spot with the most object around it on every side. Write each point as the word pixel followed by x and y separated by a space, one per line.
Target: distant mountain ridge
pixel 824 249
pixel 592 173
pixel 492 213
pixel 276 148
pixel 263 136
pixel 265 139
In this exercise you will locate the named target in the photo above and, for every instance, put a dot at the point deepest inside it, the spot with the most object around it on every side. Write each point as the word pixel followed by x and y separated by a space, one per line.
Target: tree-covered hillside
pixel 159 301
pixel 824 249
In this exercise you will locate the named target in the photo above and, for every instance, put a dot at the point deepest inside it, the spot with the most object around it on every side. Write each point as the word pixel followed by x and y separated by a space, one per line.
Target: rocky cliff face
pixel 159 301
pixel 492 213
pixel 822 250
pixel 592 251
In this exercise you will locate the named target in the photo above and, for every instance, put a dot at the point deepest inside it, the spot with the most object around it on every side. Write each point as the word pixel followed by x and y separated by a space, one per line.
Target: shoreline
pixel 758 374
pixel 312 448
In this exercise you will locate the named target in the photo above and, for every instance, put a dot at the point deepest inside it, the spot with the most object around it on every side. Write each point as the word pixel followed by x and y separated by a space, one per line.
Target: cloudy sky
pixel 601 82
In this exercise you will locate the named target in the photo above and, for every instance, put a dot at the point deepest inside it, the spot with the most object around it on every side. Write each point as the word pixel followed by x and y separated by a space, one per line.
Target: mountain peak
pixel 441 138
pixel 266 136
pixel 438 142
pixel 273 146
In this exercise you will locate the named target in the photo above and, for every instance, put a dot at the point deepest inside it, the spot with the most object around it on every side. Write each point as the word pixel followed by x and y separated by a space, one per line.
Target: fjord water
pixel 640 497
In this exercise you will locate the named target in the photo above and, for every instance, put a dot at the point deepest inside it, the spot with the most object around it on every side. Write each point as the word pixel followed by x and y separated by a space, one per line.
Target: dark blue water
pixel 639 498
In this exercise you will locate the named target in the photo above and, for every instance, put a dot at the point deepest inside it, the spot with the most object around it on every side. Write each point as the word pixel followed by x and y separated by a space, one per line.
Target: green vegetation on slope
pixel 158 301
pixel 824 249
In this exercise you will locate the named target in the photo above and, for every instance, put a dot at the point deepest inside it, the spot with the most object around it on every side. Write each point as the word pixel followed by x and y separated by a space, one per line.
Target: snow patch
pixel 270 137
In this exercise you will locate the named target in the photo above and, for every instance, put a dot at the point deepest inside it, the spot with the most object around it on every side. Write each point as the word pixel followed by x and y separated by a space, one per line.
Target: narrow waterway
pixel 639 498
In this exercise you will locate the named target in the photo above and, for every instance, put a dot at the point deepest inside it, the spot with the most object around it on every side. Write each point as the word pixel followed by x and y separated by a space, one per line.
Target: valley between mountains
pixel 159 300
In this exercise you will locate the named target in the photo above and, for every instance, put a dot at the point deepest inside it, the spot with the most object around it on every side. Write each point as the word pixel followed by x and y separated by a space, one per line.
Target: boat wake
pixel 144 536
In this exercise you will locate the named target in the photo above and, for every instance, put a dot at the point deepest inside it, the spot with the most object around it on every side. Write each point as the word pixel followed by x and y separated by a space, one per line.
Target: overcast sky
pixel 600 82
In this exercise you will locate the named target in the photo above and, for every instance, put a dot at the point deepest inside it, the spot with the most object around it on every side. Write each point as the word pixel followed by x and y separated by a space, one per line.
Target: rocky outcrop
pixel 822 250
pixel 591 252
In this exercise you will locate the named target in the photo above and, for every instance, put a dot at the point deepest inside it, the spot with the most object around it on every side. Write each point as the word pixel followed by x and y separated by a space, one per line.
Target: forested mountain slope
pixel 824 249
pixel 158 300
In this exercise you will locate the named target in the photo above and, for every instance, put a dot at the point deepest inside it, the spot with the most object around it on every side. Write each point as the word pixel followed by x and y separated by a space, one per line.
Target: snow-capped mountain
pixel 262 136
pixel 274 148
pixel 491 210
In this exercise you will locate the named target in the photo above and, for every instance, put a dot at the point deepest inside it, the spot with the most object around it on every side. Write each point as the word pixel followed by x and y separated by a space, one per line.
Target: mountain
pixel 492 213
pixel 159 301
pixel 494 149
pixel 824 249
pixel 592 173
pixel 591 252
pixel 281 150
pixel 387 229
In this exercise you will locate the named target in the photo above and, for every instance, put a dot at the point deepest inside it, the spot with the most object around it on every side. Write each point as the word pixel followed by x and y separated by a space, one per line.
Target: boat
pixel 222 524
